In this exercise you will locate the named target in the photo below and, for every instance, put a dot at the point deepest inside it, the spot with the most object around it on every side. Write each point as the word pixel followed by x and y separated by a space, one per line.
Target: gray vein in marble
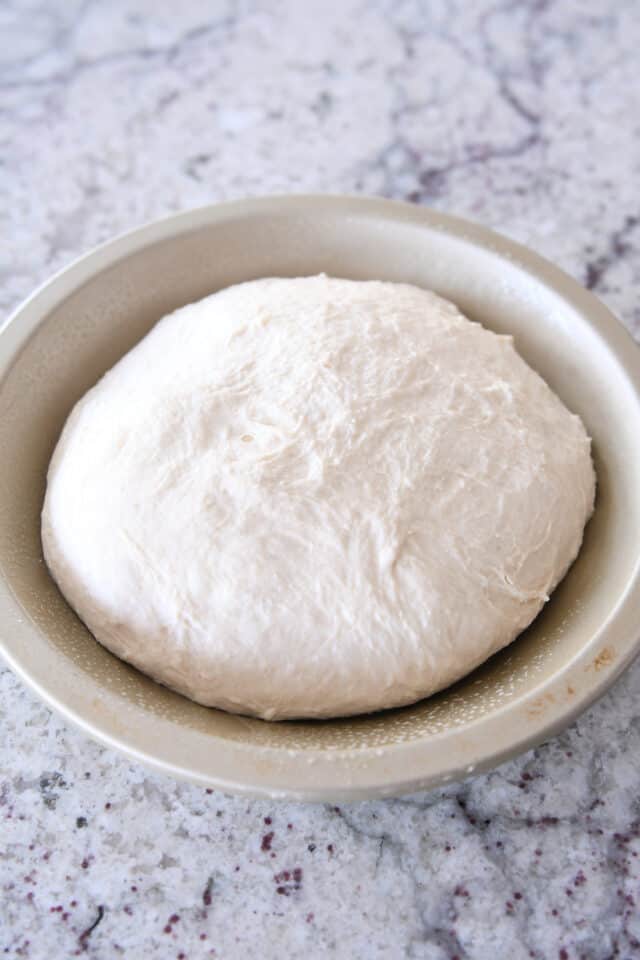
pixel 618 246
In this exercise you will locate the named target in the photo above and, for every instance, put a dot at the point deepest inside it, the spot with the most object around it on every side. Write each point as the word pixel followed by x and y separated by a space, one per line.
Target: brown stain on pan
pixel 538 706
pixel 604 659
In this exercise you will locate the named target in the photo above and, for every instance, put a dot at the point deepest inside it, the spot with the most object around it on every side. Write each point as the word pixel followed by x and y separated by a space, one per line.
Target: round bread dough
pixel 315 497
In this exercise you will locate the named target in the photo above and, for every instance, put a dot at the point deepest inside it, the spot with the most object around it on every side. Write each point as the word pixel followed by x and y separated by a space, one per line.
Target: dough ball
pixel 315 497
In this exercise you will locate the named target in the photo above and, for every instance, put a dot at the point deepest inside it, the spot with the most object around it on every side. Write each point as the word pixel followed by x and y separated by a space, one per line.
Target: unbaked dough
pixel 315 497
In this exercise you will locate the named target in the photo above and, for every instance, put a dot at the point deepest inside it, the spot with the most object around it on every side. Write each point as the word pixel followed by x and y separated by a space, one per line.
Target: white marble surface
pixel 523 115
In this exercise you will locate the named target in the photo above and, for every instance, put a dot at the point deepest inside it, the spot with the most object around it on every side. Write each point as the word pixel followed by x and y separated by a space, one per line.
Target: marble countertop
pixel 522 115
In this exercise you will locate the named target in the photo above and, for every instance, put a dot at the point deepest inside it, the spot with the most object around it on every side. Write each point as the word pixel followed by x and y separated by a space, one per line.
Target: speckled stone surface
pixel 523 115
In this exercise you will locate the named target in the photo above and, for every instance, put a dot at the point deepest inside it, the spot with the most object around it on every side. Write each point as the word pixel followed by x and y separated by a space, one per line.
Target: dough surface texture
pixel 315 497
